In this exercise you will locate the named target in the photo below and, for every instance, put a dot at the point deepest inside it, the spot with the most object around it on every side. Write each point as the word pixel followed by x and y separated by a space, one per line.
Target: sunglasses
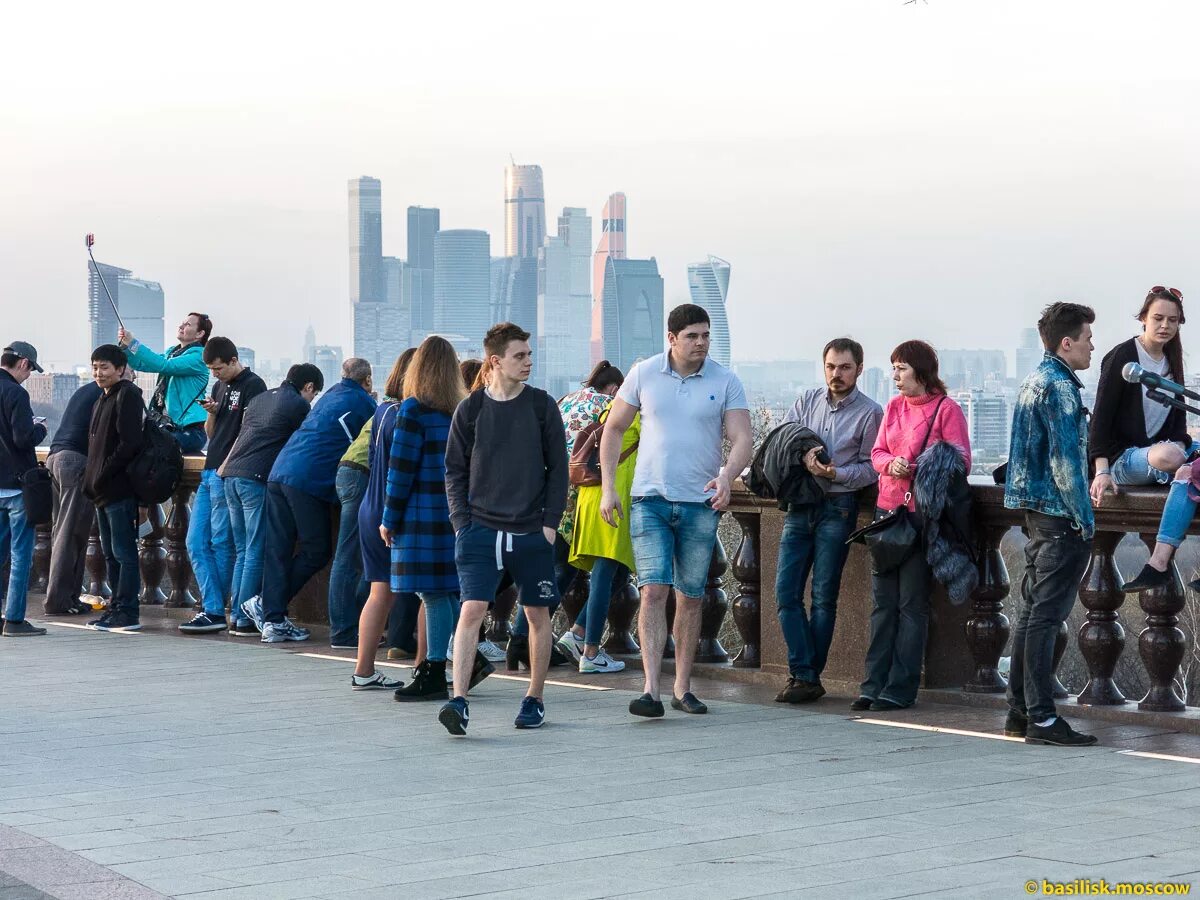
pixel 1166 292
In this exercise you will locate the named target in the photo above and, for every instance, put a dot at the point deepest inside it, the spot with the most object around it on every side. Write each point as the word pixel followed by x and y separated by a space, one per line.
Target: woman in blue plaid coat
pixel 416 517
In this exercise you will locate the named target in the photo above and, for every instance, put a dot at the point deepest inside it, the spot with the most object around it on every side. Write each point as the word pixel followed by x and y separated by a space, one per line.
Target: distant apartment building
pixel 964 370
pixel 327 358
pixel 381 318
pixel 708 283
pixel 52 388
pixel 140 303
pixel 1029 353
pixel 987 422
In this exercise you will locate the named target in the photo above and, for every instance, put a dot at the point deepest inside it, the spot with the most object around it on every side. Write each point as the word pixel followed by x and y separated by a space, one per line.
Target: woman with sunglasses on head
pixel 1158 444
pixel 1134 440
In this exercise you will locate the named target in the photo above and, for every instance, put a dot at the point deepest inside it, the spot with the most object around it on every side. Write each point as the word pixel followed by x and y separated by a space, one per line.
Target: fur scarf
pixel 944 501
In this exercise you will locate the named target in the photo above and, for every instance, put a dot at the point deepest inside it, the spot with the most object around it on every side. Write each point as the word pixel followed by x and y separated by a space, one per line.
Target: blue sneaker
pixel 455 715
pixel 532 714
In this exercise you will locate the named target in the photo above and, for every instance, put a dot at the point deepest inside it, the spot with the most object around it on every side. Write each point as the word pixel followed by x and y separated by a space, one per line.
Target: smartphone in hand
pixel 39 420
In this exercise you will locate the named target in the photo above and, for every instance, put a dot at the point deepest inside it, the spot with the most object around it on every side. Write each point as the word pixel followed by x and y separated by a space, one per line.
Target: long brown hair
pixel 470 371
pixel 924 362
pixel 1172 349
pixel 395 382
pixel 434 378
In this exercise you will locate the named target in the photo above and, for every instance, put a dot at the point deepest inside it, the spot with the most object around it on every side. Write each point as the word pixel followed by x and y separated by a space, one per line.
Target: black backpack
pixel 156 470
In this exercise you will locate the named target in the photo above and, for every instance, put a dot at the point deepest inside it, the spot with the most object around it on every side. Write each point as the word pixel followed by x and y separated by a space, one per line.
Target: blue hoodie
pixel 308 462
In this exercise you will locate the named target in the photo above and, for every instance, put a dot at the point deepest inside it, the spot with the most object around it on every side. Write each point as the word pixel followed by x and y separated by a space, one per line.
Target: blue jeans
pixel 347 590
pixel 600 589
pixel 441 618
pixel 296 547
pixel 813 542
pixel 191 439
pixel 1133 467
pixel 673 543
pixel 245 499
pixel 899 624
pixel 210 543
pixel 16 544
pixel 1176 515
pixel 118 538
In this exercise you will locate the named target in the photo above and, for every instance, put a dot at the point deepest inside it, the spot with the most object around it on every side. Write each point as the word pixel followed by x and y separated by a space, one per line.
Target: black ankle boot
pixel 429 683
pixel 517 653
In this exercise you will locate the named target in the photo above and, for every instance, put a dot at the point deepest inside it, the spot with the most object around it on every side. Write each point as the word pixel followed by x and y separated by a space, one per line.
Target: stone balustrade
pixel 965 642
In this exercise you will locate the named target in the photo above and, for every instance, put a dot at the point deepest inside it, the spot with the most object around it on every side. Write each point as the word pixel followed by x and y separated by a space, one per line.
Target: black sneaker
pixel 1057 734
pixel 244 628
pixel 797 690
pixel 21 629
pixel 118 620
pixel 1015 724
pixel 882 705
pixel 203 623
pixel 862 704
pixel 647 707
pixel 102 622
pixel 1147 579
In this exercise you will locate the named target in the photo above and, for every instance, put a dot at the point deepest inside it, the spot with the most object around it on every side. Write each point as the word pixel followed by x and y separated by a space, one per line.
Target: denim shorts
pixel 673 543
pixel 482 555
pixel 1133 467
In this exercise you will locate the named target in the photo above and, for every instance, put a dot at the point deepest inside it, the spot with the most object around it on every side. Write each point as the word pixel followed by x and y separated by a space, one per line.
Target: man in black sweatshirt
pixel 74 513
pixel 114 440
pixel 20 433
pixel 506 484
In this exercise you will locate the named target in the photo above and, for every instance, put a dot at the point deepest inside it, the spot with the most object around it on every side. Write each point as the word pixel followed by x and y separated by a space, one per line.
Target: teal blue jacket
pixel 186 376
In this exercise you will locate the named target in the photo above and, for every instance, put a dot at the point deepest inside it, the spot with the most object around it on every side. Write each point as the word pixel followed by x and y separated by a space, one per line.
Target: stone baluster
pixel 41 559
pixel 1101 637
pixel 179 567
pixel 1162 644
pixel 95 566
pixel 152 559
pixel 747 605
pixel 501 615
pixel 621 610
pixel 1060 649
pixel 713 607
pixel 988 628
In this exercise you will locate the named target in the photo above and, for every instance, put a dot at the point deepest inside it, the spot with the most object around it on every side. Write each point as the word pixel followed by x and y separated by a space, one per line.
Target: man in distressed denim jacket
pixel 1048 479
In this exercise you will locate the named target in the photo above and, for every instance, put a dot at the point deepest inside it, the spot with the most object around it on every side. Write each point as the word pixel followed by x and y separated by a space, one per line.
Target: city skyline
pixel 936 177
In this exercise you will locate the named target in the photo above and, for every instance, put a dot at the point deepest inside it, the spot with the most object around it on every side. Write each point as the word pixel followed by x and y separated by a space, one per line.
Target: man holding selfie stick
pixel 20 433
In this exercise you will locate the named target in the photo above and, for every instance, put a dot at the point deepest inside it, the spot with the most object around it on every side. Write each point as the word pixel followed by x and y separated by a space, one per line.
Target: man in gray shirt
pixel 814 535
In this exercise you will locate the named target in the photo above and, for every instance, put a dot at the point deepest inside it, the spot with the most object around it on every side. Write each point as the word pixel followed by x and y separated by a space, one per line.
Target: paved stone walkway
pixel 134 766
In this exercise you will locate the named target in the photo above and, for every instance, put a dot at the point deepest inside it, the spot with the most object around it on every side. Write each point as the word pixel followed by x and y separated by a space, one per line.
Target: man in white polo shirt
pixel 679 489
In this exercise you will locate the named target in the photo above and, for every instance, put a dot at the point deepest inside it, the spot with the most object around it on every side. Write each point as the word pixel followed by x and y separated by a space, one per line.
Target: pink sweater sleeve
pixel 953 430
pixel 881 454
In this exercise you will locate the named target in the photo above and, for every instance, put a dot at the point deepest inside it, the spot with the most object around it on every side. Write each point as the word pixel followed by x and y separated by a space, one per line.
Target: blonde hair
pixel 433 376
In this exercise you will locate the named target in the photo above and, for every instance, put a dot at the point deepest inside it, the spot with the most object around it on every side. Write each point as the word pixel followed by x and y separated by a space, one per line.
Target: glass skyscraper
pixel 564 303
pixel 140 302
pixel 611 246
pixel 708 283
pixel 423 225
pixel 524 211
pixel 633 311
pixel 462 267
pixel 366 241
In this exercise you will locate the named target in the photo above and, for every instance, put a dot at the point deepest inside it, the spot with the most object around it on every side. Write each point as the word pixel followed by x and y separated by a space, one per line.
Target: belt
pixel 358 467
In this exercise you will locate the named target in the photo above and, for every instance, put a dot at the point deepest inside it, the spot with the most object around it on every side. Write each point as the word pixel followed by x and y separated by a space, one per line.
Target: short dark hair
pixel 1063 320
pixel 496 341
pixel 470 370
pixel 924 362
pixel 604 375
pixel 203 323
pixel 844 345
pixel 686 314
pixel 110 353
pixel 9 360
pixel 219 349
pixel 304 373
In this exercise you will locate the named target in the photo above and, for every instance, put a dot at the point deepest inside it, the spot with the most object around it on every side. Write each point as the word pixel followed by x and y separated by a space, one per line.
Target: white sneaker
pixel 571 645
pixel 601 663
pixel 490 651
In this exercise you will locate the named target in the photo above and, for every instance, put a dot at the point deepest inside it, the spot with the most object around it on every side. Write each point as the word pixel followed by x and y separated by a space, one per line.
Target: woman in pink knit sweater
pixel 900 617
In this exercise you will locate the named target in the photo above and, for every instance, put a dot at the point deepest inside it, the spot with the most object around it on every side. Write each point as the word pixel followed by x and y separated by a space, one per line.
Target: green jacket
pixel 186 376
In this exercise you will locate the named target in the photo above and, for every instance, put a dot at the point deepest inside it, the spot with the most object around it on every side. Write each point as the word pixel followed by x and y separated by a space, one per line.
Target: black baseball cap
pixel 25 351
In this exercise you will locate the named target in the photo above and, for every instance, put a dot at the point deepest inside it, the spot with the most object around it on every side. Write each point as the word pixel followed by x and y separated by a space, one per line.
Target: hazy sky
pixel 935 170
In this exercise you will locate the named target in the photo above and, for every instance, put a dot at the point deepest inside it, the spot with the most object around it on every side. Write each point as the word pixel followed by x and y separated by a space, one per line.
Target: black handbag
pixel 37 492
pixel 892 538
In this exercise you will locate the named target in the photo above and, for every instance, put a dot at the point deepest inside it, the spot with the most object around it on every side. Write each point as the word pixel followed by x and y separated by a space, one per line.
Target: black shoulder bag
pixel 892 538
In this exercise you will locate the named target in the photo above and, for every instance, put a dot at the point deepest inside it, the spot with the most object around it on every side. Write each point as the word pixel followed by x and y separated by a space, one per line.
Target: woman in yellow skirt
pixel 605 552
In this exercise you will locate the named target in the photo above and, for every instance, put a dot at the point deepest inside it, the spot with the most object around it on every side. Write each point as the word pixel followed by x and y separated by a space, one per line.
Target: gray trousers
pixel 73 517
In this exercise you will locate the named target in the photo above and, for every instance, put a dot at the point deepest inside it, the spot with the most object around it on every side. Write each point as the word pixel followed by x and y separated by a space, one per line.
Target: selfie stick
pixel 88 241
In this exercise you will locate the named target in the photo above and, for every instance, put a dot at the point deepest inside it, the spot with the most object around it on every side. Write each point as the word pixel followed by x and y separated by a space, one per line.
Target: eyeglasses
pixel 1167 291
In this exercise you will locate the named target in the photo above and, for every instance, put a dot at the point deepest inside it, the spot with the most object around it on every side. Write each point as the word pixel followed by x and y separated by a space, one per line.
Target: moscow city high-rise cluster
pixel 582 301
